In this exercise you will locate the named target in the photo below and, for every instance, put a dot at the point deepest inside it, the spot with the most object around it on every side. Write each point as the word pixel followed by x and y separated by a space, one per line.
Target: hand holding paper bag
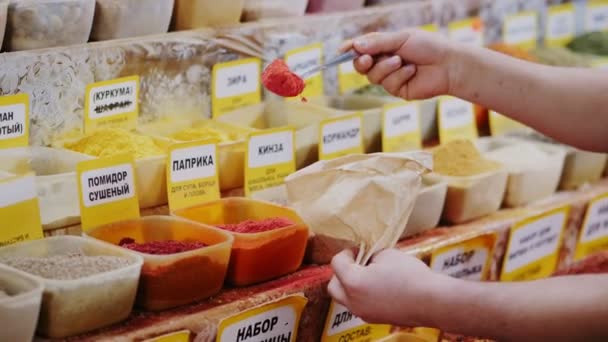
pixel 363 198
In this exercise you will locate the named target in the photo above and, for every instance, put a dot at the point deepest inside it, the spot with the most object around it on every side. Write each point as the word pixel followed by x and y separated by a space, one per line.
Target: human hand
pixel 393 289
pixel 411 64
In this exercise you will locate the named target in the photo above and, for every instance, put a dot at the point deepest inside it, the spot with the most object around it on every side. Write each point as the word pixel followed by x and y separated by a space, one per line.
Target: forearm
pixel 556 309
pixel 568 104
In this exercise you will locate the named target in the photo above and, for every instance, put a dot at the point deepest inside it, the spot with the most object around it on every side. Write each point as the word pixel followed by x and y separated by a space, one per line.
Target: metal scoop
pixel 343 58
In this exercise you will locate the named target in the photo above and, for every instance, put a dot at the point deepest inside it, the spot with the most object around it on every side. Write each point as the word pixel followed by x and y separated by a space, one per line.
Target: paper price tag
pixel 19 210
pixel 430 28
pixel 501 125
pixel 468 31
pixel 235 84
pixel 601 63
pixel 276 321
pixel 342 325
pixel 521 30
pixel 303 59
pixel 560 27
pixel 113 103
pixel 349 79
pixel 469 260
pixel 270 158
pixel 341 136
pixel 593 236
pixel 533 246
pixel 192 174
pixel 596 16
pixel 178 336
pixel 107 191
pixel 456 119
pixel 401 127
pixel 14 121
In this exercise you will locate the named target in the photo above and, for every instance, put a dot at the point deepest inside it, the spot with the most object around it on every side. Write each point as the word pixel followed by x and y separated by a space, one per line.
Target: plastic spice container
pixel 48 23
pixel 472 197
pixel 262 9
pixel 72 307
pixel 256 257
pixel 428 206
pixel 192 14
pixel 174 279
pixel 56 184
pixel 581 167
pixel 116 19
pixel 19 311
pixel 316 6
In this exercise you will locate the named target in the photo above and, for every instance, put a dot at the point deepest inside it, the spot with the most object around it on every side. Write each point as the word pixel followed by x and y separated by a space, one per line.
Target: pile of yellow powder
pixel 461 158
pixel 112 141
pixel 202 133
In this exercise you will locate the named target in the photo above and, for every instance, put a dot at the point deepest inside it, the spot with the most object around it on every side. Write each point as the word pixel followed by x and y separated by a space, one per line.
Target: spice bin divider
pixel 56 181
pixel 581 167
pixel 256 257
pixel 171 280
pixel 20 309
pixel 71 307
pixel 525 186
pixel 472 197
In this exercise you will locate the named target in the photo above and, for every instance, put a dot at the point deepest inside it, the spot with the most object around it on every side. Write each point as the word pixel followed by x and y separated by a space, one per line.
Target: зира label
pixel 235 84
pixel 342 325
pixel 113 103
pixel 594 233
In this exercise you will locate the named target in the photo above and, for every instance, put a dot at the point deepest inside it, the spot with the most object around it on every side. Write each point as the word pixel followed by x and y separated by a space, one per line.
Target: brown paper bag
pixel 359 197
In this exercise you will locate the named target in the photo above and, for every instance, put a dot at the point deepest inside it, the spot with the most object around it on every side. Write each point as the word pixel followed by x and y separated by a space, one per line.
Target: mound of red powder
pixel 161 247
pixel 280 80
pixel 251 226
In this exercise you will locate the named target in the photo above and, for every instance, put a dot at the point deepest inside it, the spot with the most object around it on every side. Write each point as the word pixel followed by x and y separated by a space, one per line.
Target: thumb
pixel 380 43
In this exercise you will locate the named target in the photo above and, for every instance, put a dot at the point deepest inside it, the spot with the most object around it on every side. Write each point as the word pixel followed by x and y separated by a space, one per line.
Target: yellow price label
pixel 593 236
pixel 468 31
pixel 349 79
pixel 401 127
pixel 192 174
pixel 342 325
pixel 596 16
pixel 303 59
pixel 19 210
pixel 107 191
pixel 501 125
pixel 178 336
pixel 521 30
pixel 469 260
pixel 14 121
pixel 235 84
pixel 560 26
pixel 270 158
pixel 430 28
pixel 533 247
pixel 275 321
pixel 113 103
pixel 341 136
pixel 456 119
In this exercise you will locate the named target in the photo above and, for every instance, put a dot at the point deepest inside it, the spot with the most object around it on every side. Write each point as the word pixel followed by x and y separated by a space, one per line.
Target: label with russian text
pixel 401 127
pixel 342 325
pixel 468 31
pixel 270 158
pixel 303 59
pixel 178 336
pixel 469 260
pixel 596 16
pixel 235 84
pixel 533 246
pixel 113 103
pixel 14 121
pixel 456 119
pixel 521 30
pixel 340 137
pixel 275 321
pixel 593 236
pixel 107 191
pixel 19 210
pixel 560 27
pixel 192 174
pixel 501 125
pixel 349 79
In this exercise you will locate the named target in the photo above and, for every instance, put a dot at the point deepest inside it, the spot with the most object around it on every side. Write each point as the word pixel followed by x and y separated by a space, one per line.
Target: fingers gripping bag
pixel 366 199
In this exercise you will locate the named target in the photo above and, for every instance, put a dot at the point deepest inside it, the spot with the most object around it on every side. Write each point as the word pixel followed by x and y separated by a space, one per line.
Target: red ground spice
pixel 251 226
pixel 280 80
pixel 161 247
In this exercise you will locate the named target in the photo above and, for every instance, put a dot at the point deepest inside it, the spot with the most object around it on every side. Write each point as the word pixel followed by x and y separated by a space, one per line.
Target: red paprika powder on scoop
pixel 280 80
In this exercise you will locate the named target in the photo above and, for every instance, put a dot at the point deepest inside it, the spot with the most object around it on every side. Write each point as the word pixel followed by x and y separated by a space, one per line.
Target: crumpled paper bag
pixel 366 199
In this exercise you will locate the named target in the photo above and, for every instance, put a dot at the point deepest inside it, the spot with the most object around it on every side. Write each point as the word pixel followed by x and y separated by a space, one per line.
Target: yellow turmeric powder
pixel 202 133
pixel 461 158
pixel 113 141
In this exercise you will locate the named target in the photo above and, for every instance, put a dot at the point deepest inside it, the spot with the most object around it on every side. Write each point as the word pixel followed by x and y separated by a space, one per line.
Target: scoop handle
pixel 343 58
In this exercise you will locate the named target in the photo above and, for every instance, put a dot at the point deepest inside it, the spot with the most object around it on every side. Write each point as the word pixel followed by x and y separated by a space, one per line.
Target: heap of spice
pixel 200 133
pixel 161 247
pixel 252 226
pixel 113 141
pixel 280 80
pixel 66 267
pixel 594 43
pixel 558 56
pixel 460 158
